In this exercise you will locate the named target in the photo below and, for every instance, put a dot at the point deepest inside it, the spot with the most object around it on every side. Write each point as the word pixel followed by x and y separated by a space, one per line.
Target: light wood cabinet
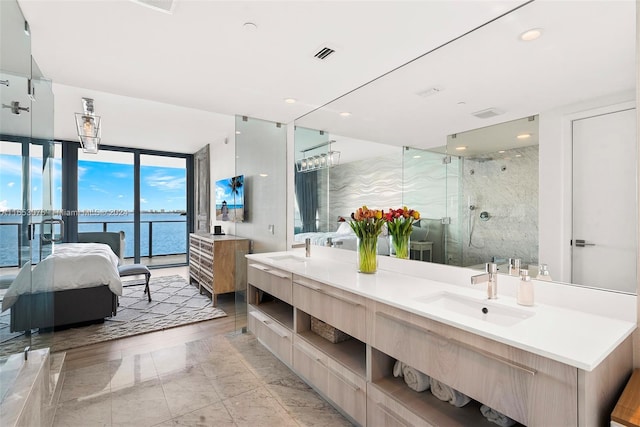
pixel 356 375
pixel 531 389
pixel 341 309
pixel 218 263
pixel 272 334
pixel 270 312
pixel 271 280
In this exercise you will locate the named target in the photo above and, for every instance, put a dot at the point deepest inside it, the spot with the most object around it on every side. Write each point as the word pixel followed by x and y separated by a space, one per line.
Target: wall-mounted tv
pixel 230 199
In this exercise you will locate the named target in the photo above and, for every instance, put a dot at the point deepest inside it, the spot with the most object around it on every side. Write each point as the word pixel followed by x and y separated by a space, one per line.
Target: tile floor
pixel 199 375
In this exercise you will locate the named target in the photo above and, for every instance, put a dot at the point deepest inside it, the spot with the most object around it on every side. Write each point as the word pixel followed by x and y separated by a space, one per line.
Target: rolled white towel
pixel 397 368
pixel 415 379
pixel 448 394
pixel 496 417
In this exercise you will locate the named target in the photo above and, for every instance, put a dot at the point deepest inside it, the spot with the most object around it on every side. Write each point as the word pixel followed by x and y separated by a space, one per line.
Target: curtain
pixel 307 197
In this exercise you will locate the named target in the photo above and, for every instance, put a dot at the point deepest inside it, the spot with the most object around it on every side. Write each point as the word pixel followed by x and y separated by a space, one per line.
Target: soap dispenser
pixel 525 288
pixel 543 273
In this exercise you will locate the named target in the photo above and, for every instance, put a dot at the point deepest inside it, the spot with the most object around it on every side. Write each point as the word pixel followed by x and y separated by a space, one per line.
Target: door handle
pixel 51 237
pixel 15 107
pixel 581 243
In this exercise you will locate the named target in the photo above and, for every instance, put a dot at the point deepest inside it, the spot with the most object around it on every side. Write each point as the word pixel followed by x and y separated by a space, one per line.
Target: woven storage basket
pixel 327 331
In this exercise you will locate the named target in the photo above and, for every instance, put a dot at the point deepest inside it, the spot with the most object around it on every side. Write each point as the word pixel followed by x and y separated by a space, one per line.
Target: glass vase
pixel 399 246
pixel 367 248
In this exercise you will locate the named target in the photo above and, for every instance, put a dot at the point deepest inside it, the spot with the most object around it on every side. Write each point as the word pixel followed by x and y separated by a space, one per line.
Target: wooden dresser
pixel 217 263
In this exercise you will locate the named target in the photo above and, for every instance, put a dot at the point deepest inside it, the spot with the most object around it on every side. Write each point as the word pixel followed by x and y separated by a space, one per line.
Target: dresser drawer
pixel 311 364
pixel 338 308
pixel 271 280
pixel 531 389
pixel 271 334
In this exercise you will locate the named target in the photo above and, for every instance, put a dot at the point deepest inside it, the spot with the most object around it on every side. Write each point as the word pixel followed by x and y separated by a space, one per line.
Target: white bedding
pixel 71 266
pixel 341 240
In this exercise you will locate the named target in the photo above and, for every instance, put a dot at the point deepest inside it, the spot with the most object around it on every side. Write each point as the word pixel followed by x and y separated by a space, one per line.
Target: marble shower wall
pixel 506 187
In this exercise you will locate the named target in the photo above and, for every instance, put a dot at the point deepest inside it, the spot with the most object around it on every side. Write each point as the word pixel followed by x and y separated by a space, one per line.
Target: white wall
pixel 139 123
pixel 555 179
pixel 222 154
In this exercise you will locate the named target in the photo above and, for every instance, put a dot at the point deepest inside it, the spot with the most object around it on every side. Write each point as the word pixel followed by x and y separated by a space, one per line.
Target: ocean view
pixel 168 230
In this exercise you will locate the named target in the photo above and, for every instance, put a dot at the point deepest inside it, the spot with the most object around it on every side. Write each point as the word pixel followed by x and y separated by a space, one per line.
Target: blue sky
pixel 101 186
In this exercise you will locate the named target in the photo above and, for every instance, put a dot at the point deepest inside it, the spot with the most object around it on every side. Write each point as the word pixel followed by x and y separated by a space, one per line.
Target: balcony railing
pixel 171 235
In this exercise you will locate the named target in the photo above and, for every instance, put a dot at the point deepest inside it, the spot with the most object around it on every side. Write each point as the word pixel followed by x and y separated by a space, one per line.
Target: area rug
pixel 174 302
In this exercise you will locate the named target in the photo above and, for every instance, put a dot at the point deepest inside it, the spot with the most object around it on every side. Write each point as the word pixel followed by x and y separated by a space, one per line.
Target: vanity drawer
pixel 348 391
pixel 271 334
pixel 385 411
pixel 338 308
pixel 311 363
pixel 531 389
pixel 271 280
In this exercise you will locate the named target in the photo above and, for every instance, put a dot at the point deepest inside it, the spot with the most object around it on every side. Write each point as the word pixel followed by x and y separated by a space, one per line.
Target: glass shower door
pixel 426 188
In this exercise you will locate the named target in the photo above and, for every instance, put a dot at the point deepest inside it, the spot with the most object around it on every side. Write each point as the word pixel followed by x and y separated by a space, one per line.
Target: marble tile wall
pixel 506 187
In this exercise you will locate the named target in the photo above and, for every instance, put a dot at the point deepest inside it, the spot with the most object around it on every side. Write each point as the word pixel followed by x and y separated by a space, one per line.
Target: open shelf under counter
pixel 351 353
pixel 424 405
pixel 277 310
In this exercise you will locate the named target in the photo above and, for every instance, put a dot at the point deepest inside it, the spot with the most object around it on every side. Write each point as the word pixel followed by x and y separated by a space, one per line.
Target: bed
pixel 78 283
pixel 343 238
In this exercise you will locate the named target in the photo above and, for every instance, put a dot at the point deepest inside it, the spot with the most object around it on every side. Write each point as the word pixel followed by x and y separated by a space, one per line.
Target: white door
pixel 604 235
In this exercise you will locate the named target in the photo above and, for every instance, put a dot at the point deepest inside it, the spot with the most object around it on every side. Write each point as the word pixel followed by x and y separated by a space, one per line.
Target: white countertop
pixel 576 338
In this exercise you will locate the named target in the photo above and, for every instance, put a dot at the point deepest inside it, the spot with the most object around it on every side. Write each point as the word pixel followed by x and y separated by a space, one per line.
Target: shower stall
pixel 27 226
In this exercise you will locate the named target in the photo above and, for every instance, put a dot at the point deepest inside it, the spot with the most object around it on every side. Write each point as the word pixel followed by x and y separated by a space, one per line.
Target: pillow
pixel 344 228
pixel 419 234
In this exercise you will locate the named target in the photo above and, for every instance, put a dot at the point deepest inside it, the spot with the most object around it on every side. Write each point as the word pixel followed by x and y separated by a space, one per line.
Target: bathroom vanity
pixel 541 366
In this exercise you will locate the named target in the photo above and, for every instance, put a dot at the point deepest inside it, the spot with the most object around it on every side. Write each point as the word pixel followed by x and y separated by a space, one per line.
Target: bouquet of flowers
pixel 400 224
pixel 367 224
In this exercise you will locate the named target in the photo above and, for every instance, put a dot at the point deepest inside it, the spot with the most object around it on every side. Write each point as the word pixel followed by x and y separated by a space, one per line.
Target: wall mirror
pixel 584 60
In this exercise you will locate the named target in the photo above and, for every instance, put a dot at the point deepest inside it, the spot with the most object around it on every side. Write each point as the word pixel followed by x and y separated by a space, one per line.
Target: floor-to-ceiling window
pixel 143 193
pixel 163 208
pixel 106 194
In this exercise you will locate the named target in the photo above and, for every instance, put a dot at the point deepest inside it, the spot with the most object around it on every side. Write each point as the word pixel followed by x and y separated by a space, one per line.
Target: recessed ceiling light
pixel 430 92
pixel 518 155
pixel 290 100
pixel 531 34
pixel 501 151
pixel 345 114
pixel 264 175
pixel 238 132
pixel 417 156
pixel 461 148
pixel 524 136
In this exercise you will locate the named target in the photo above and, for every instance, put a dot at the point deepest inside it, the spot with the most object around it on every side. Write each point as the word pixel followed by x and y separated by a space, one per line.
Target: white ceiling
pixel 587 51
pixel 175 80
pixel 201 57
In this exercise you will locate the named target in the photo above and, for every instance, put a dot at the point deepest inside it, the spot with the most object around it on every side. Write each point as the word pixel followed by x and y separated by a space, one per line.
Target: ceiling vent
pixel 324 53
pixel 488 113
pixel 165 6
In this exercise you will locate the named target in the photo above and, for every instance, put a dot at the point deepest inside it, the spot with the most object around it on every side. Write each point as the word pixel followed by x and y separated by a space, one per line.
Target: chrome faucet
pixel 306 245
pixel 490 277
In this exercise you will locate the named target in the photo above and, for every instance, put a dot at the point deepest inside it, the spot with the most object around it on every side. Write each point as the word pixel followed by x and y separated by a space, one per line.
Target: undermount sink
pixel 287 258
pixel 476 309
